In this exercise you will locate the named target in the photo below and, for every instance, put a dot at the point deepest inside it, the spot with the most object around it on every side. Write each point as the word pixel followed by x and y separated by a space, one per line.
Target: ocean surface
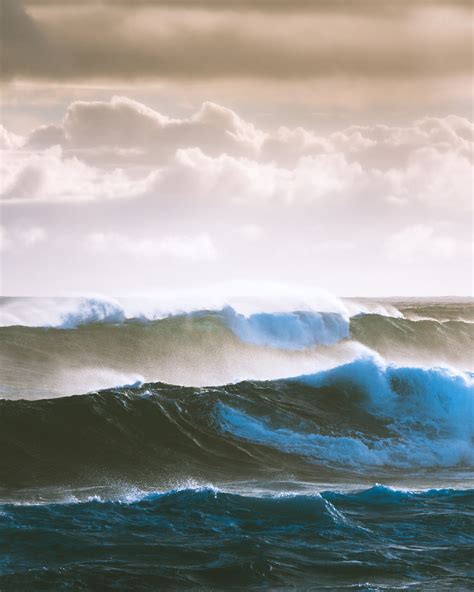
pixel 240 447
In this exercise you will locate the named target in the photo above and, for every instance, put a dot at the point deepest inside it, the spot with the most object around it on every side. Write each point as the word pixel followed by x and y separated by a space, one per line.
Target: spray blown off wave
pixel 193 349
pixel 216 347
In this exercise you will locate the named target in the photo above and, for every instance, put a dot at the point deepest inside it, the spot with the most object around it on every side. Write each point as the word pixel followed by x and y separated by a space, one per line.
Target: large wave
pixel 423 418
pixel 247 300
pixel 214 347
pixel 346 421
pixel 197 349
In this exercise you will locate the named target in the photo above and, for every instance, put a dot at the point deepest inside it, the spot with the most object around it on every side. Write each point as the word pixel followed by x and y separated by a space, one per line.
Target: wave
pixel 427 341
pixel 70 312
pixel 291 330
pixel 204 348
pixel 442 310
pixel 204 538
pixel 60 313
pixel 214 347
pixel 356 419
pixel 247 300
pixel 285 491
pixel 428 416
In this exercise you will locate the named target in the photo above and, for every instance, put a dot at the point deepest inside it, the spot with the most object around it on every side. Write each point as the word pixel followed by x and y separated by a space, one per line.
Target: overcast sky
pixel 151 145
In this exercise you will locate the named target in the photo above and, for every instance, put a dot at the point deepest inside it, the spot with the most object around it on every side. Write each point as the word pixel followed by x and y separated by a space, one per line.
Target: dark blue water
pixel 374 539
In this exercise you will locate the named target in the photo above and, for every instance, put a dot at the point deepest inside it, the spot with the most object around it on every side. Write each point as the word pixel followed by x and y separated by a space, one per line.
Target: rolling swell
pixel 354 420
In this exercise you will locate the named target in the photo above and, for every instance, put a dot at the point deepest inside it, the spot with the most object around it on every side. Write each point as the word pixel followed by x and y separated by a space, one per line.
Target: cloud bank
pixel 139 191
pixel 257 40
pixel 122 149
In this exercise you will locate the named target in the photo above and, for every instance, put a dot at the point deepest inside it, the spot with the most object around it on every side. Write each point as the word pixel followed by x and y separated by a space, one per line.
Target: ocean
pixel 223 448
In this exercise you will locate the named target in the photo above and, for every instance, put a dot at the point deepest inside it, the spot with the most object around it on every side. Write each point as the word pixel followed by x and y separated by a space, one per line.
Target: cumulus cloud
pixel 123 149
pixel 244 181
pixel 123 124
pixel 50 175
pixel 271 40
pixel 124 130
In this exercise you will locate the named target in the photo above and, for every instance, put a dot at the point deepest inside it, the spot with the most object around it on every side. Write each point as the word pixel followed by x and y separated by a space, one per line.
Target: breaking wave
pixel 109 348
pixel 343 421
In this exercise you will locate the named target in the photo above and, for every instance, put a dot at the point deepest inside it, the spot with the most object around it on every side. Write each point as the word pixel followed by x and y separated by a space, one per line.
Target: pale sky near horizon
pixel 157 144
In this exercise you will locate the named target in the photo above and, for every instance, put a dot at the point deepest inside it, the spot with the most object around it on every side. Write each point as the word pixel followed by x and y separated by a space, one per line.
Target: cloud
pixel 198 248
pixel 435 179
pixel 33 235
pixel 243 181
pixel 50 175
pixel 121 149
pixel 123 124
pixel 269 40
pixel 4 240
pixel 8 140
pixel 415 244
pixel 251 232
pixel 264 5
pixel 117 188
pixel 123 130
pixel 20 236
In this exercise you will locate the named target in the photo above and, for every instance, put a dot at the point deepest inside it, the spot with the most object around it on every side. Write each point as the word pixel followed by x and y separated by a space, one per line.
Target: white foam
pixel 288 330
pixel 244 297
pixel 429 411
pixel 62 313
pixel 358 307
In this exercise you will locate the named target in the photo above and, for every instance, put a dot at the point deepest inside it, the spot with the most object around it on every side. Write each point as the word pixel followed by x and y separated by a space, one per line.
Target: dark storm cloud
pixel 186 39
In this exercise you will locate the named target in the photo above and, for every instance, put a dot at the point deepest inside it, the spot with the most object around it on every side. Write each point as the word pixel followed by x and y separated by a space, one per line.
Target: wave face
pixel 231 445
pixel 207 539
pixel 352 420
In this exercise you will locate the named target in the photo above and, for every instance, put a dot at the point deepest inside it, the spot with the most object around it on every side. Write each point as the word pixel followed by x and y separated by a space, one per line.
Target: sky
pixel 155 145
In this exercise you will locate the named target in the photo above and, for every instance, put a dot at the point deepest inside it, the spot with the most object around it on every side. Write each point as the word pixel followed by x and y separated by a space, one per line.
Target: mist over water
pixel 56 347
